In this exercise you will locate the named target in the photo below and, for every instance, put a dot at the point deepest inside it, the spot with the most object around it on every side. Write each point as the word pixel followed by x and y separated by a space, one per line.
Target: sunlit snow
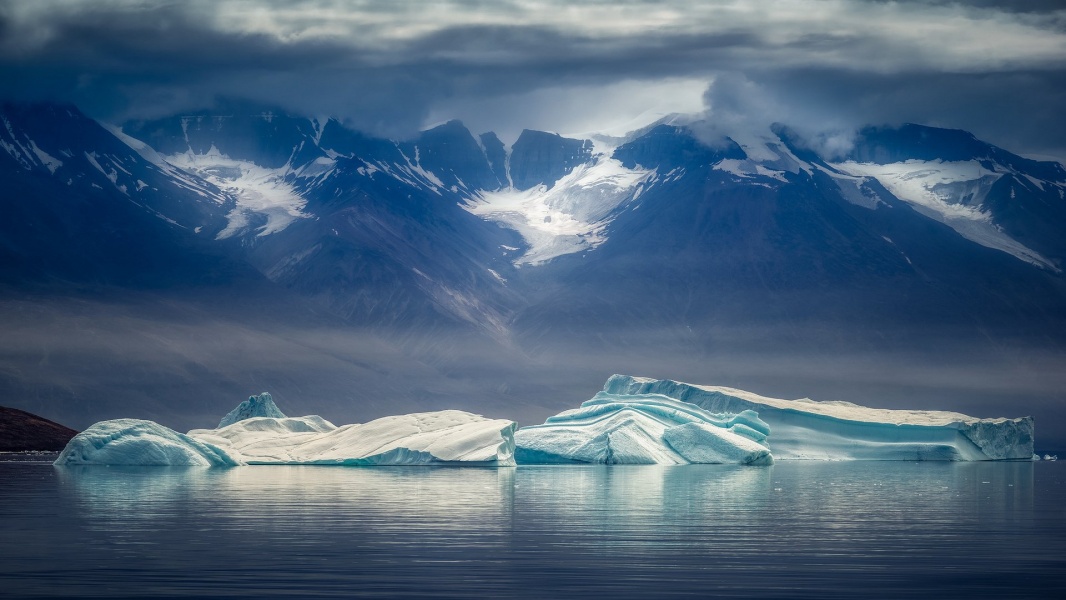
pixel 767 156
pixel 441 437
pixel 258 190
pixel 952 193
pixel 431 438
pixel 570 216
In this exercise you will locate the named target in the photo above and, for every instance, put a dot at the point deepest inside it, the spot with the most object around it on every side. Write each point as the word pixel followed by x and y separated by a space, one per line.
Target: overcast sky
pixel 997 69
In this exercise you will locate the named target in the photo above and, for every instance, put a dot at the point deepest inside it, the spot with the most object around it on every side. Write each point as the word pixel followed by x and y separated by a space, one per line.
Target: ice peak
pixel 255 406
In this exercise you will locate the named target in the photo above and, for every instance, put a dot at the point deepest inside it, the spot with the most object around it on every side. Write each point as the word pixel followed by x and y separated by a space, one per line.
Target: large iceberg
pixel 255 406
pixel 644 429
pixel 442 437
pixel 137 442
pixel 634 420
pixel 447 437
pixel 806 429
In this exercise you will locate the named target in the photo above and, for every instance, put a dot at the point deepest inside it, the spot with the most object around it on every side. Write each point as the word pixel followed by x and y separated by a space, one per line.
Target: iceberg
pixel 255 406
pixel 432 438
pixel 634 420
pixel 137 442
pixel 644 428
pixel 834 430
pixel 447 437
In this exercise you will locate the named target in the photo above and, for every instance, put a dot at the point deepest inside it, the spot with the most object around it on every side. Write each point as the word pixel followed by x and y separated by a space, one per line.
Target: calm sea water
pixel 794 530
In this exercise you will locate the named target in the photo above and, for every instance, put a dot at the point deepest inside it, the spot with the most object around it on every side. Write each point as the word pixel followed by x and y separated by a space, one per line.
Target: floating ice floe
pixel 442 437
pixel 634 420
pixel 644 429
pixel 137 442
pixel 448 437
pixel 806 429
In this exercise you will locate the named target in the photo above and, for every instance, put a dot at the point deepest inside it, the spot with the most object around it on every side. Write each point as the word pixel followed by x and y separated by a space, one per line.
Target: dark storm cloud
pixel 997 70
pixel 1017 110
pixel 1017 6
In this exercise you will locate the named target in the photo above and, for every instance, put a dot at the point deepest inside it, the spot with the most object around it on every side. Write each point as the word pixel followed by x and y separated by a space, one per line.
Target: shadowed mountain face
pixel 507 278
pixel 784 241
pixel 79 204
pixel 540 158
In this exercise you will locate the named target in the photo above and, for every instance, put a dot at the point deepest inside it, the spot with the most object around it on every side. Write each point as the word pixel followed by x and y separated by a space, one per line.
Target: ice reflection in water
pixel 816 530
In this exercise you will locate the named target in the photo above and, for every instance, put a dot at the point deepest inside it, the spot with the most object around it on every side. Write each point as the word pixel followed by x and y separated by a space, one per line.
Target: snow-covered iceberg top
pixel 442 437
pixel 644 429
pixel 448 437
pixel 137 442
pixel 806 429
pixel 255 406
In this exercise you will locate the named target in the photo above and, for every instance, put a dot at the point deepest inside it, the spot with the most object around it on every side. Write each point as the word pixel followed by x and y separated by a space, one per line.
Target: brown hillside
pixel 20 430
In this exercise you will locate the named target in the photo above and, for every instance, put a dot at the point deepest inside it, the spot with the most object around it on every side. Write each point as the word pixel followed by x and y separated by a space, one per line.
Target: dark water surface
pixel 794 530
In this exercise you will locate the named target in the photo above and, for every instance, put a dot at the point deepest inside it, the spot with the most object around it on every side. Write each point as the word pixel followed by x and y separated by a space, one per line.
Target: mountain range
pixel 171 265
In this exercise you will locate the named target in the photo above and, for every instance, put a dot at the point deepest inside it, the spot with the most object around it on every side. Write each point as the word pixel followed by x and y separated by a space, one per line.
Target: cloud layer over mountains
pixel 996 69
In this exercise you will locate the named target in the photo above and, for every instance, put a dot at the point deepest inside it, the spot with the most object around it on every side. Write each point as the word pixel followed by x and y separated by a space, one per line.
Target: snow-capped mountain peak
pixel 978 190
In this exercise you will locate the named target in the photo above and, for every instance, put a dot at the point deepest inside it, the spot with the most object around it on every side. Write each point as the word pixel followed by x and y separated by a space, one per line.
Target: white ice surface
pixel 952 193
pixel 137 442
pixel 569 217
pixel 806 429
pixel 643 429
pixel 442 437
pixel 448 437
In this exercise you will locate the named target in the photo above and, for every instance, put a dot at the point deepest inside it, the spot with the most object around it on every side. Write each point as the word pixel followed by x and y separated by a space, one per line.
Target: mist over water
pixel 798 529
pixel 186 363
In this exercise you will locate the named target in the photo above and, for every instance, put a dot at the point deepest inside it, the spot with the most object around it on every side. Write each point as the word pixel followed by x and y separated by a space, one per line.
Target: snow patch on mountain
pixel 854 189
pixel 952 193
pixel 569 217
pixel 46 159
pixel 111 174
pixel 179 177
pixel 14 147
pixel 767 157
pixel 408 173
pixel 260 192
pixel 746 169
pixel 26 155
